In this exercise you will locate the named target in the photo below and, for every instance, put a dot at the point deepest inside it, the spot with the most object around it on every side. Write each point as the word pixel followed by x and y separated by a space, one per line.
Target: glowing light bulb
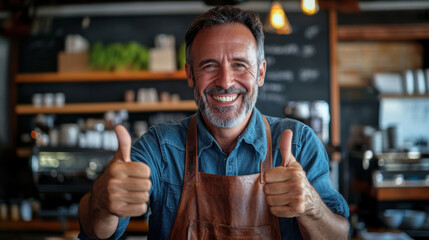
pixel 278 16
pixel 277 21
pixel 309 7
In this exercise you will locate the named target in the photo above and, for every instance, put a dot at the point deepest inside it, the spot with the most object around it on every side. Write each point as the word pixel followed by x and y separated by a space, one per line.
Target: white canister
pixel 26 210
pixel 37 99
pixel 60 99
pixel 3 211
pixel 48 99
pixel 142 95
pixel 54 137
pixel 420 81
pixel 427 80
pixel 69 134
pixel 409 82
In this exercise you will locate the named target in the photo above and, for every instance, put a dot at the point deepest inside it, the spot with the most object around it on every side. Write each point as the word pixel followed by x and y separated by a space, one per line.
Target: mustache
pixel 220 90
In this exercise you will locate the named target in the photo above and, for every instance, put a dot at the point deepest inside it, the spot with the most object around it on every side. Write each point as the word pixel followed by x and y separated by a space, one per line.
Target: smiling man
pixel 227 172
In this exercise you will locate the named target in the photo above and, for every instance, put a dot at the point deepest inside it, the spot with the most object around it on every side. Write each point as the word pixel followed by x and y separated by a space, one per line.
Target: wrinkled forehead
pixel 234 36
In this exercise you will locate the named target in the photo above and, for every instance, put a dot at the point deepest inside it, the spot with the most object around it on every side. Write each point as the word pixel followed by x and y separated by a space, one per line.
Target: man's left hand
pixel 288 192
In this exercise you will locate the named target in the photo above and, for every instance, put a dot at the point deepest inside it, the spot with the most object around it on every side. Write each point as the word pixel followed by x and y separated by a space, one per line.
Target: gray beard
pixel 213 116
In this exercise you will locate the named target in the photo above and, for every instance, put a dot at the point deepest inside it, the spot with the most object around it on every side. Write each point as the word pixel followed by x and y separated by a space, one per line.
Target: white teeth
pixel 225 99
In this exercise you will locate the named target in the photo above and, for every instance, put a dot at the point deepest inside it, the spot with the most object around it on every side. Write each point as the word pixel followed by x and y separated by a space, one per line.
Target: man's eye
pixel 209 66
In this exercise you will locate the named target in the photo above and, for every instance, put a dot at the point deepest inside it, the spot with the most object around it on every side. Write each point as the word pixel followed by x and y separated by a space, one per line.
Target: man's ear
pixel 262 70
pixel 189 76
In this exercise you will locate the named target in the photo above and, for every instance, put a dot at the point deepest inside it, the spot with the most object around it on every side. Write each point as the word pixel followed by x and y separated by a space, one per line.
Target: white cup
pixel 37 99
pixel 48 99
pixel 142 95
pixel 153 95
pixel 60 99
pixel 409 82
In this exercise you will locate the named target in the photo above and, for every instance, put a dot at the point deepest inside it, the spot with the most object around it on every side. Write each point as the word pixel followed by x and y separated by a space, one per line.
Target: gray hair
pixel 223 15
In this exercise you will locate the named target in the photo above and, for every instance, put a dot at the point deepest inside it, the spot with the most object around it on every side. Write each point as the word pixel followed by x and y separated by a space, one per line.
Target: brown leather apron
pixel 223 207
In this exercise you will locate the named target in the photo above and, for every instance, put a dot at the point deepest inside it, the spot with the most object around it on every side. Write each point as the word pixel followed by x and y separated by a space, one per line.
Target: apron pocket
pixel 199 230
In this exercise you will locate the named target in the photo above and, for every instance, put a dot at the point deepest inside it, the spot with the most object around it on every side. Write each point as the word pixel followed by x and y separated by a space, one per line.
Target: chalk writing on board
pixel 273 87
pixel 285 49
pixel 297 64
pixel 281 75
pixel 308 74
pixel 273 98
pixel 311 32
pixel 270 60
pixel 308 51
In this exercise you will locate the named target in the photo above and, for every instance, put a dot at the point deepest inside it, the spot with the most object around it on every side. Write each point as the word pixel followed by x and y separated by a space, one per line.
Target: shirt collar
pixel 205 139
pixel 254 134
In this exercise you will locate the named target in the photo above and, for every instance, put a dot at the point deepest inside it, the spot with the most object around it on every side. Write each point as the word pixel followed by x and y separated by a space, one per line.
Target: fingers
pixel 128 210
pixel 286 147
pixel 124 143
pixel 285 190
pixel 281 174
pixel 129 170
pixel 287 211
pixel 130 185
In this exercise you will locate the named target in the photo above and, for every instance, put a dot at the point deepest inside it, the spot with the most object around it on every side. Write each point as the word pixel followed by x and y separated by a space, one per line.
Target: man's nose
pixel 225 78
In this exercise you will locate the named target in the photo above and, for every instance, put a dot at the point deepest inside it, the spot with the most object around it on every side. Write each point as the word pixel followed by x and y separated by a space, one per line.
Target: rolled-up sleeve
pixel 122 225
pixel 314 159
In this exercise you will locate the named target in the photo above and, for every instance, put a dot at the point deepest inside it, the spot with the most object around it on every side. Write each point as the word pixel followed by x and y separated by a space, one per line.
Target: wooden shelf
pixel 55 225
pixel 403 193
pixel 185 105
pixel 55 77
pixel 401 96
pixel 392 193
pixel 384 32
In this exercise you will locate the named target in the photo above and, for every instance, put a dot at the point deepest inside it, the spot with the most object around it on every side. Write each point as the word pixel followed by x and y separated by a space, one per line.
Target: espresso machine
pixel 63 175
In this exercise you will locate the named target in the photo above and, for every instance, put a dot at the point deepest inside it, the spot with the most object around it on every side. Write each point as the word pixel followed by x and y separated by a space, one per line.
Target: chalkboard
pixel 297 64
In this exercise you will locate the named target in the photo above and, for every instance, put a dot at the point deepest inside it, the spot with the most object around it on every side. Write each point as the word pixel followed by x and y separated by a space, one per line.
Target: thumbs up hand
pixel 124 144
pixel 123 188
pixel 287 190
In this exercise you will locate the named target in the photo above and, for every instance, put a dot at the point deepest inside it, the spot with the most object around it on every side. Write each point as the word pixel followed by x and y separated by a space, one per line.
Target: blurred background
pixel 357 72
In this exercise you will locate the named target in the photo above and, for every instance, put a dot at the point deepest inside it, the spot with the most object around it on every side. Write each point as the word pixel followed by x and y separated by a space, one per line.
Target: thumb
pixel 124 143
pixel 286 147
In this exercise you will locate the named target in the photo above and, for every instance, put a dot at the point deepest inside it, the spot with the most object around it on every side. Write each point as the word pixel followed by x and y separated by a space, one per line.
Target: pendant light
pixel 309 7
pixel 277 21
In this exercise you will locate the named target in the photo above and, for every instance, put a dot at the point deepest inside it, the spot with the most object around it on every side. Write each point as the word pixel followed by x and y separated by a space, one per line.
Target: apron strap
pixel 267 164
pixel 191 165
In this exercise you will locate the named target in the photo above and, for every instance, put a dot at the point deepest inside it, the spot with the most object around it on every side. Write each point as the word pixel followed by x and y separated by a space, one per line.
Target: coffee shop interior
pixel 356 71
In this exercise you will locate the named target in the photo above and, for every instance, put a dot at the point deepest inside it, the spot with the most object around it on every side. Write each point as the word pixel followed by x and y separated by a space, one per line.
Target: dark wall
pixel 5 140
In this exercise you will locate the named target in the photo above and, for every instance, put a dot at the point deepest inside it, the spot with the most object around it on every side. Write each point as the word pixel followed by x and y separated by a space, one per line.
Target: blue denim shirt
pixel 163 149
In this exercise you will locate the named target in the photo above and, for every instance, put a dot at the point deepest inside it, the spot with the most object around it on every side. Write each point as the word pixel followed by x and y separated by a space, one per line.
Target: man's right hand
pixel 123 189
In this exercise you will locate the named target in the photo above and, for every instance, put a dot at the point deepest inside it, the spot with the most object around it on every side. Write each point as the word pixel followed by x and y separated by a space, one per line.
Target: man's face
pixel 225 74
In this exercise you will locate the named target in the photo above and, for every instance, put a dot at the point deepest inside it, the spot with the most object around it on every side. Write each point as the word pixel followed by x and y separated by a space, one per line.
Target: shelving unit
pixel 54 77
pixel 20 79
pixel 402 96
pixel 392 193
pixel 99 107
pixel 383 32
pixel 185 105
